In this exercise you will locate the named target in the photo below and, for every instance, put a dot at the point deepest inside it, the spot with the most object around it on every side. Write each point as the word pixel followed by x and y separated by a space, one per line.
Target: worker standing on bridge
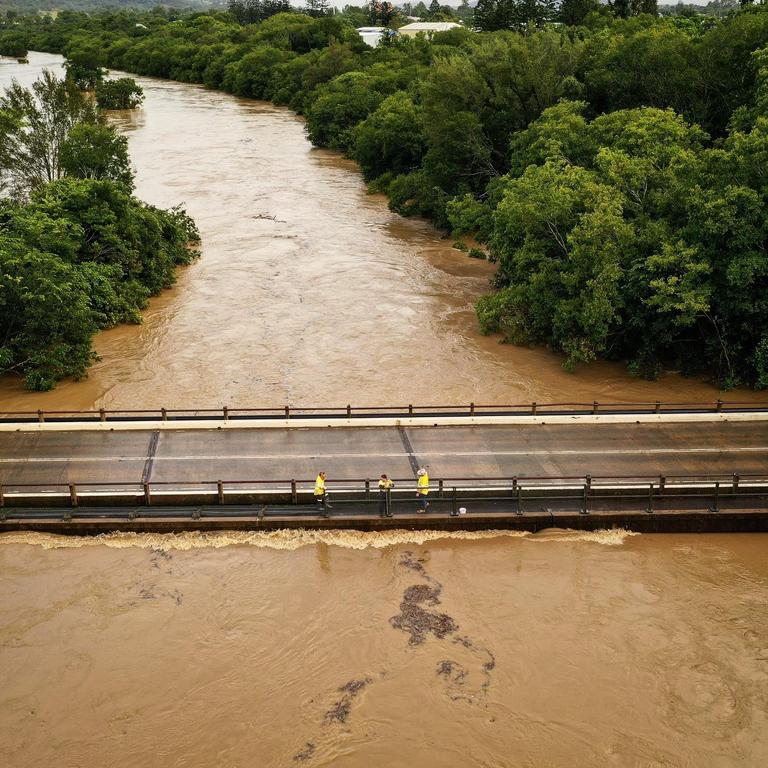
pixel 321 497
pixel 385 486
pixel 422 489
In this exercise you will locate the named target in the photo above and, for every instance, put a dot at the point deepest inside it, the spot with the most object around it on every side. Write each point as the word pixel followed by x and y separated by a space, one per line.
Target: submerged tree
pixel 123 93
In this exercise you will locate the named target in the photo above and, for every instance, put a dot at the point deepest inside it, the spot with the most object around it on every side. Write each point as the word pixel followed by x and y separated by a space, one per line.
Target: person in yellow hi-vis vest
pixel 321 498
pixel 422 489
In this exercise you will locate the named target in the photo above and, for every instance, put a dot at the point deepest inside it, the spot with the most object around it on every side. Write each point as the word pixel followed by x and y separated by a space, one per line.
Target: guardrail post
pixel 73 495
pixel 102 414
pixel 587 486
pixel 595 406
pixel 719 405
pixel 716 503
pixel 367 489
pixel 410 409
pixel 2 497
pixel 735 484
pixel 147 495
pixel 225 409
pixel 164 414
pixel 294 493
pixel 40 416
pixel 471 409
pixel 388 503
pixel 649 508
pixel 519 501
pixel 349 411
pixel 454 503
pixel 440 489
pixel 326 513
pixel 662 483
pixel 220 491
pixel 657 409
pixel 287 411
pixel 533 409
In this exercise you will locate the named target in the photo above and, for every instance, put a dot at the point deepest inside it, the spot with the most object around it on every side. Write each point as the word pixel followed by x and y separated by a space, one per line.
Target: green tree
pixel 339 106
pixel 13 44
pixel 391 139
pixel 41 119
pixel 123 93
pixel 573 12
pixel 96 151
pixel 46 323
pixel 85 63
pixel 78 256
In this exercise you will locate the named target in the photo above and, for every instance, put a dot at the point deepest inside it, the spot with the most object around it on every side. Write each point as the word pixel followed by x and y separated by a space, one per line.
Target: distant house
pixel 427 27
pixel 371 35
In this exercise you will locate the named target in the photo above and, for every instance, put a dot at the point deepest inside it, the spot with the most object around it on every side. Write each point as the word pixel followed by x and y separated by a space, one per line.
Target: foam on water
pixel 295 538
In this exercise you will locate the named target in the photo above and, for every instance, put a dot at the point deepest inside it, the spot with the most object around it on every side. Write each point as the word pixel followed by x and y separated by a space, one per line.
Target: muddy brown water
pixel 237 650
pixel 567 650
pixel 308 290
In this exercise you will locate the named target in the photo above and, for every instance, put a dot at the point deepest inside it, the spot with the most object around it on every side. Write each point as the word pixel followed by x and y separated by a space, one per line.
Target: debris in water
pixel 306 753
pixel 419 622
pixel 415 564
pixel 339 712
pixel 452 670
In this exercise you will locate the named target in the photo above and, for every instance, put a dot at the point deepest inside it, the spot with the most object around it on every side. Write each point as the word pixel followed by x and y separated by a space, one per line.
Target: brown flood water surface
pixel 405 649
pixel 308 291
pixel 559 649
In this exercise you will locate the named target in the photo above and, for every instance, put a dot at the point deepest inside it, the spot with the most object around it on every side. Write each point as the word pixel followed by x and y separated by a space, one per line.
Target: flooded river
pixel 554 650
pixel 557 650
pixel 308 291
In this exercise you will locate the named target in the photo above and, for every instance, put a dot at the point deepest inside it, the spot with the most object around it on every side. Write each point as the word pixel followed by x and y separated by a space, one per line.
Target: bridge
pixel 646 466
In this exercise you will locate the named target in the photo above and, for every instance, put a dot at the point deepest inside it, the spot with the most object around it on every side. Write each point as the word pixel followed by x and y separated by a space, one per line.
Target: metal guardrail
pixel 399 411
pixel 496 495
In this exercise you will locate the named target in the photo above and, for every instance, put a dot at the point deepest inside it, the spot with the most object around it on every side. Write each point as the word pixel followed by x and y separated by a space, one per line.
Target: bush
pixel 124 93
pixel 80 256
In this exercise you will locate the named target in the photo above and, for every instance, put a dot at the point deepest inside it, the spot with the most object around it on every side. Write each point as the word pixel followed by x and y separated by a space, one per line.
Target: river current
pixel 308 290
pixel 405 649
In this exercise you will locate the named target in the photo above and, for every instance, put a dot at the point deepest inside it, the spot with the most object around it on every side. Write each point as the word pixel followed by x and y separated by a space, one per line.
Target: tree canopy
pixel 611 160
pixel 78 252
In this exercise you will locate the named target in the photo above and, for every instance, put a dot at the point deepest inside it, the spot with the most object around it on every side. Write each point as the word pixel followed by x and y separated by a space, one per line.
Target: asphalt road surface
pixel 632 450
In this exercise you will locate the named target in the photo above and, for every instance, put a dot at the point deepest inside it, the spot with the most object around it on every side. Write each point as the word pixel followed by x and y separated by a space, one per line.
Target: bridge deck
pixel 82 457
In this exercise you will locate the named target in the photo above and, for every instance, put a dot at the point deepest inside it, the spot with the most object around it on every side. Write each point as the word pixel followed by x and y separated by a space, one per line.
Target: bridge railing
pixel 487 495
pixel 469 410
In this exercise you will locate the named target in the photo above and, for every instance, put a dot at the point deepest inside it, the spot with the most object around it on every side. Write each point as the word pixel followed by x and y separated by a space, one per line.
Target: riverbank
pixel 308 290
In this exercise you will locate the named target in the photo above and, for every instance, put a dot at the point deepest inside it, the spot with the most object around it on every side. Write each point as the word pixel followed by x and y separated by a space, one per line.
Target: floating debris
pixel 339 712
pixel 419 622
pixel 452 670
pixel 306 753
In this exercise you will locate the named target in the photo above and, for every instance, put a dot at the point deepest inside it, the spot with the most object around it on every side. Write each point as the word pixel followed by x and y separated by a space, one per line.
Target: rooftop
pixel 431 26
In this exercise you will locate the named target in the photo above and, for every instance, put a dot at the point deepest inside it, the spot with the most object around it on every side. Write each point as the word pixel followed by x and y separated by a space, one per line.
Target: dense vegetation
pixel 616 168
pixel 120 93
pixel 78 252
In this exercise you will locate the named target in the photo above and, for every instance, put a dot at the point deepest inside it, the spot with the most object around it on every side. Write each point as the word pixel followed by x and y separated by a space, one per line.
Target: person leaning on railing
pixel 385 486
pixel 422 489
